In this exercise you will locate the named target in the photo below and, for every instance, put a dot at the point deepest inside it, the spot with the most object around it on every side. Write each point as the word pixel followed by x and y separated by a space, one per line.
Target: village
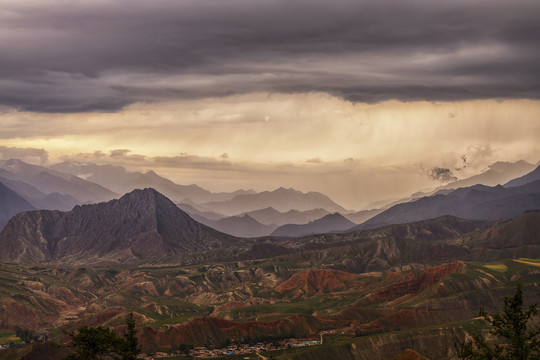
pixel 202 352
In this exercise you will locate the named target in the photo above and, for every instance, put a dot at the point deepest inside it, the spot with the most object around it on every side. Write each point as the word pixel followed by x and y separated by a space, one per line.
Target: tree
pixel 130 345
pixel 25 335
pixel 517 341
pixel 96 343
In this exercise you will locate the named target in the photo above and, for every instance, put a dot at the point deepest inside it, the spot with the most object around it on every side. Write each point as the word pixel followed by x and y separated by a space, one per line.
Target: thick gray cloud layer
pixel 101 55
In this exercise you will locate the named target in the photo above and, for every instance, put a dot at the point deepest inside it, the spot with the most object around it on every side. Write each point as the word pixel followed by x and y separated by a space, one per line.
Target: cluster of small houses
pixel 205 353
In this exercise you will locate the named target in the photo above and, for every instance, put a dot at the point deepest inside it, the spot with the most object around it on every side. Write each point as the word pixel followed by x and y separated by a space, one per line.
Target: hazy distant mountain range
pixel 475 202
pixel 329 223
pixel 280 199
pixel 497 173
pixel 281 212
pixel 145 227
pixel 49 181
pixel 258 222
pixel 10 204
pixel 525 179
pixel 121 181
pixel 270 216
pixel 64 185
pixel 241 226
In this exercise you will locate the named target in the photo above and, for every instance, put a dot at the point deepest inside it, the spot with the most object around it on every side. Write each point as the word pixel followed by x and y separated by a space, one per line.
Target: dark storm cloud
pixel 442 174
pixel 100 56
pixel 120 152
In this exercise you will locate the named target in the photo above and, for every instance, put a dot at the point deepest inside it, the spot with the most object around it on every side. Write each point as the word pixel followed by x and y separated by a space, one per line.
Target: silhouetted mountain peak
pixel 141 225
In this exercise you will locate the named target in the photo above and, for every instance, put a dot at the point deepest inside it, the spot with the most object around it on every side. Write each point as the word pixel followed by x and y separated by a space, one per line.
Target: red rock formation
pixel 408 354
pixel 316 282
pixel 13 314
pixel 414 282
pixel 210 330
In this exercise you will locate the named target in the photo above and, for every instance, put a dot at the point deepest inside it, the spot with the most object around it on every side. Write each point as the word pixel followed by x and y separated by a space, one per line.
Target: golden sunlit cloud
pixel 280 139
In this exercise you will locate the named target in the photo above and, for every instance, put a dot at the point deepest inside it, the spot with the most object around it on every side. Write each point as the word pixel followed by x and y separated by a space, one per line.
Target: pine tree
pixel 130 345
pixel 96 343
pixel 517 342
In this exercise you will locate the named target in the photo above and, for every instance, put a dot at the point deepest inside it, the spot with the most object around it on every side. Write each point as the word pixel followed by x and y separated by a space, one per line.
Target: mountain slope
pixel 11 203
pixel 271 216
pixel 363 215
pixel 329 223
pixel 50 181
pixel 496 174
pixel 53 201
pixel 242 226
pixel 122 181
pixel 521 231
pixel 476 202
pixel 280 199
pixel 525 179
pixel 140 226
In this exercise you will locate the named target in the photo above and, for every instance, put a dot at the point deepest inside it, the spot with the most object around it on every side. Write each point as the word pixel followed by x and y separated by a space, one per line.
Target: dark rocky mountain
pixel 329 223
pixel 49 181
pixel 440 228
pixel 242 226
pixel 430 241
pixel 271 216
pixel 140 226
pixel 520 232
pixel 525 179
pixel 118 179
pixel 280 199
pixel 11 203
pixel 477 202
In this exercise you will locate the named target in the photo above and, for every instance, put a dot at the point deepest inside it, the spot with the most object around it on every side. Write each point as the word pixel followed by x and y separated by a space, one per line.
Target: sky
pixel 360 100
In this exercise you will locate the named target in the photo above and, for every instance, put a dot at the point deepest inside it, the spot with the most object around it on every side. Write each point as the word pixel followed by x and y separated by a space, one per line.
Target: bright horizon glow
pixel 355 153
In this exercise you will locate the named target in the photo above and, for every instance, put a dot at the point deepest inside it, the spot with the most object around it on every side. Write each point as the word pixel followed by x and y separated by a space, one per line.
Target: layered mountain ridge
pixel 478 202
pixel 329 223
pixel 11 203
